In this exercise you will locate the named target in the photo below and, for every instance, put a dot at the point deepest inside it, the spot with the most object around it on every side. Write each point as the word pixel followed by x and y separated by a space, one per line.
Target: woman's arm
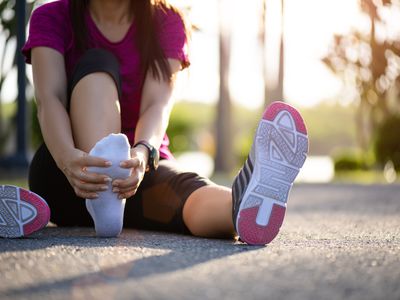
pixel 156 107
pixel 155 110
pixel 50 84
pixel 51 97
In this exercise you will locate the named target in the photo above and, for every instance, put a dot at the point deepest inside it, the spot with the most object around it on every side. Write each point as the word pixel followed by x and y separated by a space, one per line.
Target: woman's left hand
pixel 126 188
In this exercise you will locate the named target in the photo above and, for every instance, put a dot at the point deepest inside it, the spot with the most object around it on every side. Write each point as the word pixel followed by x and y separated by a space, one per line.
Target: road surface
pixel 337 242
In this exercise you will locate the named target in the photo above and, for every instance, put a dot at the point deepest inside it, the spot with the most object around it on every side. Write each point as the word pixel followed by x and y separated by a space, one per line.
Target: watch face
pixel 154 155
pixel 155 158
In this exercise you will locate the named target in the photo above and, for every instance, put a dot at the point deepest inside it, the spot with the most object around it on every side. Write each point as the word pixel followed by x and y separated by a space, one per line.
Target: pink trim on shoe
pixel 43 212
pixel 21 212
pixel 279 151
pixel 272 111
pixel 255 234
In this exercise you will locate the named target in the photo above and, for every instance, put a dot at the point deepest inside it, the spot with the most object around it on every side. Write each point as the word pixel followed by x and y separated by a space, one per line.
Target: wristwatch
pixel 154 155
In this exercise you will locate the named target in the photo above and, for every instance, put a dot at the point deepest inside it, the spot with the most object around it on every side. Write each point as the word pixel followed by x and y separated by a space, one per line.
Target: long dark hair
pixel 151 55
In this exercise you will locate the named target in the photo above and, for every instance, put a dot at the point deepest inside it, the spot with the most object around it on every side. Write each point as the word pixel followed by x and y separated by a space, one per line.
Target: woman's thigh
pixel 157 205
pixel 47 180
pixel 159 201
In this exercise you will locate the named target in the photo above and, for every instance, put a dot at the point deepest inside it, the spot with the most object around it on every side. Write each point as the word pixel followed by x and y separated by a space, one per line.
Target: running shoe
pixel 21 212
pixel 260 191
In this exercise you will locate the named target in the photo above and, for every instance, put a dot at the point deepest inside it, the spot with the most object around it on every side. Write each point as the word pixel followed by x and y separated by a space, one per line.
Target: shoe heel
pixel 255 234
pixel 281 146
pixel 21 212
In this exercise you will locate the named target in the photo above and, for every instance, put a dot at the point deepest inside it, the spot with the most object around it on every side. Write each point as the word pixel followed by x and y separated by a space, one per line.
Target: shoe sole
pixel 21 212
pixel 281 146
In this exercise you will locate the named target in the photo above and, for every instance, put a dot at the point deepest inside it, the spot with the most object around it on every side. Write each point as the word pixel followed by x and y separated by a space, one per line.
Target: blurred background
pixel 337 61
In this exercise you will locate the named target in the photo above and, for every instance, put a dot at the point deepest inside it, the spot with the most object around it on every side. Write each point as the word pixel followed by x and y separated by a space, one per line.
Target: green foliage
pixel 387 142
pixel 361 177
pixel 7 122
pixel 8 30
pixel 349 162
pixel 187 120
pixel 17 181
pixel 330 127
pixel 353 159
pixel 364 61
pixel 191 127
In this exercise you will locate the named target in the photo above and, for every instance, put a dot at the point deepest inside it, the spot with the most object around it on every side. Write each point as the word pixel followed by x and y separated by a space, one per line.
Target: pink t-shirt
pixel 50 26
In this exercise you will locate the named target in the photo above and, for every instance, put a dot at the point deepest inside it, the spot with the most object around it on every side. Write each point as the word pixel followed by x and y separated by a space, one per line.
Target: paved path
pixel 337 242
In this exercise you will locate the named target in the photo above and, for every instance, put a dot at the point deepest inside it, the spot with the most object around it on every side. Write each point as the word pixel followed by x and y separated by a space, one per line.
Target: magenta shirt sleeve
pixel 172 37
pixel 48 27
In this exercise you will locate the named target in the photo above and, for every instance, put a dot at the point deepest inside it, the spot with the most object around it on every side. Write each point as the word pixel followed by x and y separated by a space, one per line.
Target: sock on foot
pixel 107 210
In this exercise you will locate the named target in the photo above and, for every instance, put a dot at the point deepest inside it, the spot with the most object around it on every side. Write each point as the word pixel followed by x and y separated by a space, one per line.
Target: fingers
pixel 88 187
pixel 130 163
pixel 93 161
pixel 127 183
pixel 93 177
pixel 127 194
pixel 85 184
pixel 126 188
pixel 85 195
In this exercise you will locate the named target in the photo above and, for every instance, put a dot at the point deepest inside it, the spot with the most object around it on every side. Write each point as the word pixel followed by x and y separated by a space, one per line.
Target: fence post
pixel 19 160
pixel 21 112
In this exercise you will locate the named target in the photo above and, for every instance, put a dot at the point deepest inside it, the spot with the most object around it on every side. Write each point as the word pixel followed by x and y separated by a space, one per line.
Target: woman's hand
pixel 127 187
pixel 85 184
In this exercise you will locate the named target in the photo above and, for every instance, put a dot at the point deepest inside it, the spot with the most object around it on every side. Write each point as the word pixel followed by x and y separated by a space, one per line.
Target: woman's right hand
pixel 85 184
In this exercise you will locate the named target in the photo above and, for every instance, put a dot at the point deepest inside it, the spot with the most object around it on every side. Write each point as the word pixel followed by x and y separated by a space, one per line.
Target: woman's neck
pixel 111 11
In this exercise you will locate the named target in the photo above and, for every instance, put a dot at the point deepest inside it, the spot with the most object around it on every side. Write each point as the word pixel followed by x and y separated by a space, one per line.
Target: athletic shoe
pixel 21 212
pixel 260 190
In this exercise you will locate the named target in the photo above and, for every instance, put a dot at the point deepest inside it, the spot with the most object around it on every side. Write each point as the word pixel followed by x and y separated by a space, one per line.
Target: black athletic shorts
pixel 159 200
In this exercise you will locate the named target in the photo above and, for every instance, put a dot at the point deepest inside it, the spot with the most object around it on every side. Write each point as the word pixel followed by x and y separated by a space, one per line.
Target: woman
pixel 104 72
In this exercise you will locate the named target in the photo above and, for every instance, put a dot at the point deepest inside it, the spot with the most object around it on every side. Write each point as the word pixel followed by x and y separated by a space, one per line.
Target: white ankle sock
pixel 107 210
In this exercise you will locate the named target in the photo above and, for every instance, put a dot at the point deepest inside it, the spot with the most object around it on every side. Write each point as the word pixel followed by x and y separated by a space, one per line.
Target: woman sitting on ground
pixel 104 73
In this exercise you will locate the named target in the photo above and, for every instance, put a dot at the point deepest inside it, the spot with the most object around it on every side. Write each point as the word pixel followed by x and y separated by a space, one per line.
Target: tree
pixel 224 155
pixel 275 93
pixel 8 29
pixel 371 64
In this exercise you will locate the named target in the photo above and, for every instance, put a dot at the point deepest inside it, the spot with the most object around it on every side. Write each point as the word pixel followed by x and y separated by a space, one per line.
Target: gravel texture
pixel 337 242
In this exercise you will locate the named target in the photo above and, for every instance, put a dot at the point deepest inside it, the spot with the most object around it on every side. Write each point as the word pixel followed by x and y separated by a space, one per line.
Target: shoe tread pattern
pixel 281 151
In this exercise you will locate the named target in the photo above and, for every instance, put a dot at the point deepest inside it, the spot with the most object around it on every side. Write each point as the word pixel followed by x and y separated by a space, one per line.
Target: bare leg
pixel 261 188
pixel 94 116
pixel 208 212
pixel 94 111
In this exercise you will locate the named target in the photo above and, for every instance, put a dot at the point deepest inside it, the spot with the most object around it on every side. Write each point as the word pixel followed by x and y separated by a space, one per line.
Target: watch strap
pixel 146 144
pixel 150 148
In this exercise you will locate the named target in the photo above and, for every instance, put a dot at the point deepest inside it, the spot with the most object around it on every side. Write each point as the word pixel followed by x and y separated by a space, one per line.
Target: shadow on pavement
pixel 183 252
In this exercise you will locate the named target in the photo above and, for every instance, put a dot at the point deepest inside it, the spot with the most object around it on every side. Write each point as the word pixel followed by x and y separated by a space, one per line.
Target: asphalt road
pixel 337 242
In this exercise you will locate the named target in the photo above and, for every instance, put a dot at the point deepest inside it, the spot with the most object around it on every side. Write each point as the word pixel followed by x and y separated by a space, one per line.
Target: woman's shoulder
pixel 172 34
pixel 54 10
pixel 168 15
pixel 49 26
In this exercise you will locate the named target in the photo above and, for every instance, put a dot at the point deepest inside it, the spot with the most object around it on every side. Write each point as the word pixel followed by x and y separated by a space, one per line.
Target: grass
pixel 330 128
pixel 8 110
pixel 357 177
pixel 362 177
pixel 21 182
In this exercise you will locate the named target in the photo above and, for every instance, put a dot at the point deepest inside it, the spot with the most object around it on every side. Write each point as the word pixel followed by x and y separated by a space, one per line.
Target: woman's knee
pixel 100 62
pixel 207 212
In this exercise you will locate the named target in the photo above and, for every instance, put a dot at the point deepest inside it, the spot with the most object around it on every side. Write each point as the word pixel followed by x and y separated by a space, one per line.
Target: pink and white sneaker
pixel 261 189
pixel 21 212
